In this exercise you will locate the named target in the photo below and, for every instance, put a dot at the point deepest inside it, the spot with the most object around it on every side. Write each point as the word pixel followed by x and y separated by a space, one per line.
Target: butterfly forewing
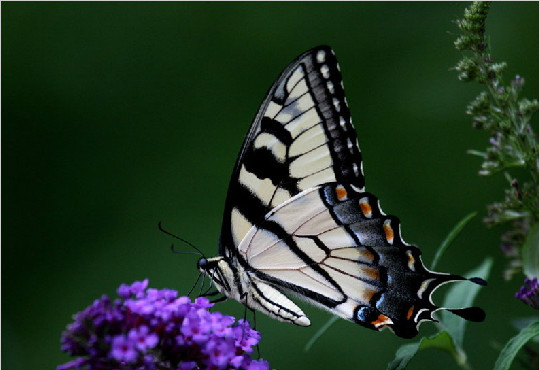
pixel 301 137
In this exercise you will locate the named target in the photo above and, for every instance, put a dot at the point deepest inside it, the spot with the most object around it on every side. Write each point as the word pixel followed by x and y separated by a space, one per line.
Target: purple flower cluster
pixel 154 329
pixel 529 293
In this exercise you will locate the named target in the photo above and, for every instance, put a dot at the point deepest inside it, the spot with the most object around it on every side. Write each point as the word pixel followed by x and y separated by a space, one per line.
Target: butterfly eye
pixel 202 264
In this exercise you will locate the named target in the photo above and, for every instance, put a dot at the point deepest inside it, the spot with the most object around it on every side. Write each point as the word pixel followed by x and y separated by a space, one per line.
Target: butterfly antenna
pixel 174 250
pixel 198 251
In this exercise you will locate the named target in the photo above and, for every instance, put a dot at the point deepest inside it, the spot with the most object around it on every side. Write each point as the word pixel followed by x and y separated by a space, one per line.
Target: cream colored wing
pixel 301 137
pixel 301 246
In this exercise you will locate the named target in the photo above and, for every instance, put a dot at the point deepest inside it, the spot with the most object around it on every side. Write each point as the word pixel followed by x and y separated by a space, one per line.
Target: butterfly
pixel 298 220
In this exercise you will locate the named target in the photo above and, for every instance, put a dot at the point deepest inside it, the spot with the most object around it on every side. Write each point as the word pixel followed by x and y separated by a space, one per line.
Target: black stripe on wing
pixel 281 234
pixel 301 137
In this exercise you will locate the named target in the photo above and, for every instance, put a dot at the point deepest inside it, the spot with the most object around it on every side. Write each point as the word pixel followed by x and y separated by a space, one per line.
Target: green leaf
pixel 462 295
pixel 406 352
pixel 403 356
pixel 521 322
pixel 508 353
pixel 450 237
pixel 477 153
pixel 530 253
pixel 319 333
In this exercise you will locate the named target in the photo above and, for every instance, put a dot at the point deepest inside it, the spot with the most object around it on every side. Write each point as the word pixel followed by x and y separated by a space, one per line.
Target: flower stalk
pixel 506 116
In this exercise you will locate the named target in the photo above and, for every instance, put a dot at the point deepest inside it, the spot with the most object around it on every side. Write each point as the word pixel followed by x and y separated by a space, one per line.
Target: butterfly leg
pixel 220 299
pixel 211 294
pixel 243 299
pixel 254 327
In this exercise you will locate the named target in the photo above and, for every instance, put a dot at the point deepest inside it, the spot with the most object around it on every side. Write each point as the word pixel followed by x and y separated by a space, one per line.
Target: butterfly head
pixel 202 264
pixel 220 272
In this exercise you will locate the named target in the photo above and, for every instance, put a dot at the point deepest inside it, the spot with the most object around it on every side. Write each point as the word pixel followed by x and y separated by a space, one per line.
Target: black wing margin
pixel 302 136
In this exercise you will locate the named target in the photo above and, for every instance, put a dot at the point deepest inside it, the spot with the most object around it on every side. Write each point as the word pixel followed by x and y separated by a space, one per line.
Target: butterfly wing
pixel 301 137
pixel 297 217
pixel 336 249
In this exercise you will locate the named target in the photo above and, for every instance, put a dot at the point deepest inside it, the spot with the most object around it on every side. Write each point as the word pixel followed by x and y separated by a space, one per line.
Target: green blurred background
pixel 118 115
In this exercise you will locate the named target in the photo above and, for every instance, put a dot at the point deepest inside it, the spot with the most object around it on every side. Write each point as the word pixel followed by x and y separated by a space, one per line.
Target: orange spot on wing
pixel 341 192
pixel 371 272
pixel 382 320
pixel 389 232
pixel 411 259
pixel 365 208
pixel 368 294
pixel 410 312
pixel 366 254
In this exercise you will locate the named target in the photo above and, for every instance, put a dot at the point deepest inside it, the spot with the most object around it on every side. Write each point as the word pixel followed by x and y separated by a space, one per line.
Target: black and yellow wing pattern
pixel 298 220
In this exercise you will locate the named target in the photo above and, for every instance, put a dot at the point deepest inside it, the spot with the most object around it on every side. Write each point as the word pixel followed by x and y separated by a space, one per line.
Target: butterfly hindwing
pixel 301 137
pixel 338 250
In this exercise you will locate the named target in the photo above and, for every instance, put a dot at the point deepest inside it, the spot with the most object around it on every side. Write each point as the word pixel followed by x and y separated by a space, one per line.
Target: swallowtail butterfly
pixel 298 220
